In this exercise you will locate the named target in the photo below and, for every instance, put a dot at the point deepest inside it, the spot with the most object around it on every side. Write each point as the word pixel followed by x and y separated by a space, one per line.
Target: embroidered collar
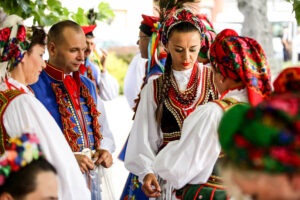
pixel 59 75
pixel 53 72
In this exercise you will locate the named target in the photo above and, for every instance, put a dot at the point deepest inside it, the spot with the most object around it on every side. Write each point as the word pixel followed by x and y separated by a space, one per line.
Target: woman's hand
pixel 149 181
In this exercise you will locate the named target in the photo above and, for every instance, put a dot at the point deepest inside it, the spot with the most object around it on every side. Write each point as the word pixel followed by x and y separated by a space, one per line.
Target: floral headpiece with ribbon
pixel 153 48
pixel 180 16
pixel 20 152
pixel 151 27
pixel 265 137
pixel 14 42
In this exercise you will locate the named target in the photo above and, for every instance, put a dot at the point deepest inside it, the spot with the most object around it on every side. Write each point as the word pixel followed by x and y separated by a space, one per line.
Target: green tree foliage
pixel 296 7
pixel 48 12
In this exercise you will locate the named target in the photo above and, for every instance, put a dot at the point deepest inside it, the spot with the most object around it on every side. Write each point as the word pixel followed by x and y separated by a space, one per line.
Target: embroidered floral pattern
pixel 12 49
pixel 242 58
pixel 179 16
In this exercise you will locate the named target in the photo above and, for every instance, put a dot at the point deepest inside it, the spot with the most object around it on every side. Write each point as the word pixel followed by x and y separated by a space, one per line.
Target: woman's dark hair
pixel 22 182
pixel 38 37
pixel 183 27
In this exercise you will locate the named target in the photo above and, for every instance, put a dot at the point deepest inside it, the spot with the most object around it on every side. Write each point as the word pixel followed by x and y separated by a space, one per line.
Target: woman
pixel 25 173
pixel 262 156
pixel 21 62
pixel 168 100
pixel 191 172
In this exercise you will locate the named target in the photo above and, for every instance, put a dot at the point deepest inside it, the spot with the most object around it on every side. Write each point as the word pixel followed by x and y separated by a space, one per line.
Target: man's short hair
pixel 55 33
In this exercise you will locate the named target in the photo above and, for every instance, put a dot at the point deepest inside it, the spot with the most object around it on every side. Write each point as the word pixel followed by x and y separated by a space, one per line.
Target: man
pixel 107 86
pixel 71 98
pixel 140 72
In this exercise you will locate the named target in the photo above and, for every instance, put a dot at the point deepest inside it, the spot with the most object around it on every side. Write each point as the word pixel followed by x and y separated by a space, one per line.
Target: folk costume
pixel 197 178
pixel 147 137
pixel 107 86
pixel 154 68
pixel 20 111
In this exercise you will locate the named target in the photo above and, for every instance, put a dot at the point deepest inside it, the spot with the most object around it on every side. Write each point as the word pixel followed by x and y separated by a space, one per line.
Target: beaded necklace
pixel 185 99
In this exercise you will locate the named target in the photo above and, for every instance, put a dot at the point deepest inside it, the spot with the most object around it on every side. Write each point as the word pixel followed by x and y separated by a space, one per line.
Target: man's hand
pixel 84 162
pixel 149 181
pixel 103 60
pixel 104 158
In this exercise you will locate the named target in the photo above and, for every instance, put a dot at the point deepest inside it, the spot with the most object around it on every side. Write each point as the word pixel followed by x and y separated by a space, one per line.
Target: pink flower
pixel 33 138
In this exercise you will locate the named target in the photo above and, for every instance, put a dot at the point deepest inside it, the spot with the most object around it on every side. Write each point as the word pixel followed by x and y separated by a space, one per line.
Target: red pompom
pixel 149 20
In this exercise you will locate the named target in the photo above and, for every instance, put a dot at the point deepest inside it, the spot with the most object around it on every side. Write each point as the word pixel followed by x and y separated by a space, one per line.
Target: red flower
pixel 4 34
pixel 169 22
pixel 21 35
pixel 241 142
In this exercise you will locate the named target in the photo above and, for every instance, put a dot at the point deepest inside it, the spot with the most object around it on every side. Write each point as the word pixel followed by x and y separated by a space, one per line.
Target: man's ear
pixel 51 48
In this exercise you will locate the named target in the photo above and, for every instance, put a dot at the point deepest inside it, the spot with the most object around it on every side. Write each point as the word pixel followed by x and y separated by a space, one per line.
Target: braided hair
pixel 183 27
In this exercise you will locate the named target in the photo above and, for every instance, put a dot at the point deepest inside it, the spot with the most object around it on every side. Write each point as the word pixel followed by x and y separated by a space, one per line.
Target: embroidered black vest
pixel 173 115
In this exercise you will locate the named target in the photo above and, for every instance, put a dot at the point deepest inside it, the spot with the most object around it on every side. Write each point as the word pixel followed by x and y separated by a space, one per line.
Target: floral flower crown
pixel 180 16
pixel 14 42
pixel 20 152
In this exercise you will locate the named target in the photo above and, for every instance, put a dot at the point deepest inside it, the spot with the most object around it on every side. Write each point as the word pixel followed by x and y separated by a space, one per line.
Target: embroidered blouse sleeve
pixel 192 158
pixel 145 136
pixel 25 112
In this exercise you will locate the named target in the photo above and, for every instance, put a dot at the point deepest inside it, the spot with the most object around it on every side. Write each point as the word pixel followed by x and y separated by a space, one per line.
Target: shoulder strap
pixel 5 98
pixel 227 103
